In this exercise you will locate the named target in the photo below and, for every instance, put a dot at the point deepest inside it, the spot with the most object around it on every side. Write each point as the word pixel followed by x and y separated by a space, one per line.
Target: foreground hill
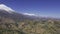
pixel 17 23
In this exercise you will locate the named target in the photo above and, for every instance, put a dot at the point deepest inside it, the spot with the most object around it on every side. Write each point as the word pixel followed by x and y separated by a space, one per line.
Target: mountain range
pixel 10 13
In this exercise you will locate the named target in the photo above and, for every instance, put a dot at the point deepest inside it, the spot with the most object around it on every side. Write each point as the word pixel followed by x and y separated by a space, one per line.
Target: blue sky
pixel 49 8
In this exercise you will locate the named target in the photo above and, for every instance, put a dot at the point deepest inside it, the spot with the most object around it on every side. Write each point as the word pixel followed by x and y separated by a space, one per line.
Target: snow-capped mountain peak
pixel 4 7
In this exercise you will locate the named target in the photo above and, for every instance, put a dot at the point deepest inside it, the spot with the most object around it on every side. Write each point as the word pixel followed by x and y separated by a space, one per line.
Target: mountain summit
pixel 9 10
pixel 5 8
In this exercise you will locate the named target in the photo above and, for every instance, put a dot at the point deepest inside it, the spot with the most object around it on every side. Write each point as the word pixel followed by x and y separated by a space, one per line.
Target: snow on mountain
pixel 9 10
pixel 29 14
pixel 4 7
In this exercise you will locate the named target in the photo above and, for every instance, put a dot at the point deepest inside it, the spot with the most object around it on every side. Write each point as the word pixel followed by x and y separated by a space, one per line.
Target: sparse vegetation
pixel 29 26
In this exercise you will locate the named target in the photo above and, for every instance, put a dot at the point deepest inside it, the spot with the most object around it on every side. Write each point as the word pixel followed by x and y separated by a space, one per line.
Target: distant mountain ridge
pixel 10 13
